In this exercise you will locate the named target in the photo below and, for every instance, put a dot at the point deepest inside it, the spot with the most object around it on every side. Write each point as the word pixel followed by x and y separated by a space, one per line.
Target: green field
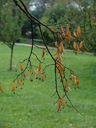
pixel 32 105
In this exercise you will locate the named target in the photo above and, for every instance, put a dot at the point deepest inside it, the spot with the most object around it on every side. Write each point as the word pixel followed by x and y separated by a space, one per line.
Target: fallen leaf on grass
pixel 1 89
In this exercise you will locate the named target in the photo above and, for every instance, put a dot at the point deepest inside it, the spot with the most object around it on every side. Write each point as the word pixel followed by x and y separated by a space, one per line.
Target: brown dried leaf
pixel 77 81
pixel 67 29
pixel 13 87
pixel 78 48
pixel 29 74
pixel 21 66
pixel 63 102
pixel 69 88
pixel 73 79
pixel 40 67
pixel 36 72
pixel 59 57
pixel 62 48
pixel 70 75
pixel 66 85
pixel 69 35
pixel 57 51
pixel 20 81
pixel 79 31
pixel 56 44
pixel 81 44
pixel 43 53
pixel 1 89
pixel 85 45
pixel 59 76
pixel 75 34
pixel 75 45
pixel 57 101
pixel 62 30
pixel 59 107
pixel 25 76
pixel 61 67
pixel 61 38
pixel 42 76
pixel 53 29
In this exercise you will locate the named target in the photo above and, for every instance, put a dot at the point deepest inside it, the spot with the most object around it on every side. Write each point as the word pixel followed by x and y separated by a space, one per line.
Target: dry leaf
pixel 75 45
pixel 61 38
pixel 63 102
pixel 21 66
pixel 59 107
pixel 59 57
pixel 69 88
pixel 73 79
pixel 1 89
pixel 29 74
pixel 42 76
pixel 78 48
pixel 43 53
pixel 70 75
pixel 57 51
pixel 40 67
pixel 62 48
pixel 56 44
pixel 62 30
pixel 74 34
pixel 36 72
pixel 84 45
pixel 13 87
pixel 58 100
pixel 67 29
pixel 53 29
pixel 20 81
pixel 81 44
pixel 69 35
pixel 66 85
pixel 79 31
pixel 25 76
pixel 77 81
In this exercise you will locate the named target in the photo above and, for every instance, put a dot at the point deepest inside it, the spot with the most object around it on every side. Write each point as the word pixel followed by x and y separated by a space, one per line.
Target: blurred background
pixel 15 26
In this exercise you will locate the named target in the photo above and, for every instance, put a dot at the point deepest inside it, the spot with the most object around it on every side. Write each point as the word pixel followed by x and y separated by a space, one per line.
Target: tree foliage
pixel 88 16
pixel 10 26
pixel 74 13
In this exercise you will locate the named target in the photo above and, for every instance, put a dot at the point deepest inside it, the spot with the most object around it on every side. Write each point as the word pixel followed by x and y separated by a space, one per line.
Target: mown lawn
pixel 32 105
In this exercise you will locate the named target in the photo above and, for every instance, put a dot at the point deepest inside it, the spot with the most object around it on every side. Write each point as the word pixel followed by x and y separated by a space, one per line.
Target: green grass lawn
pixel 33 107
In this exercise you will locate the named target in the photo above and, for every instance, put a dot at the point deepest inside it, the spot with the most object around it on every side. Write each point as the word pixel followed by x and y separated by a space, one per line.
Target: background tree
pixel 88 16
pixel 70 12
pixel 10 25
pixel 37 8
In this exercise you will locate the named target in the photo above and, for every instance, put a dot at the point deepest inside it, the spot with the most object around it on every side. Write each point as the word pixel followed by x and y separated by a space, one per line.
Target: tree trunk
pixel 11 57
